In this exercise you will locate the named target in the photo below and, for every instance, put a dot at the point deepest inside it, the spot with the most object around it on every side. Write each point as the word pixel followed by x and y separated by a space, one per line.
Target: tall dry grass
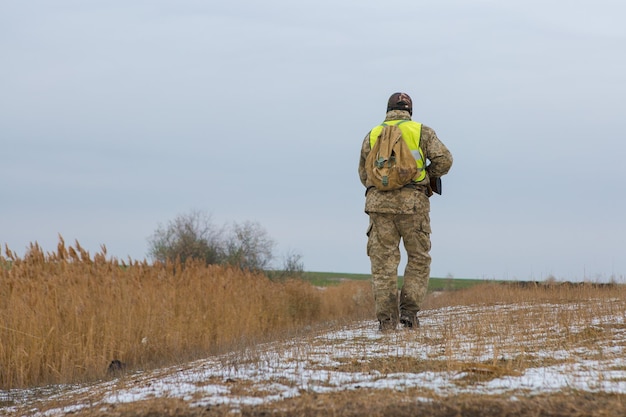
pixel 526 292
pixel 65 315
pixel 511 326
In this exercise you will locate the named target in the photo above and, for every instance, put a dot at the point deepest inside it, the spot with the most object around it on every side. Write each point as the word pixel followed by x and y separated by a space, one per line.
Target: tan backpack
pixel 390 164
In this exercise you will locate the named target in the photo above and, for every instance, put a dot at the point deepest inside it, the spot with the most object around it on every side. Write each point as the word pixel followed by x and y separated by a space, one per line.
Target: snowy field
pixel 511 350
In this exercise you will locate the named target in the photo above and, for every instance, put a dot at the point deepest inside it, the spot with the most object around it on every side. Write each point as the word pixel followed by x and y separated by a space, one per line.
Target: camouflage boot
pixel 387 325
pixel 409 321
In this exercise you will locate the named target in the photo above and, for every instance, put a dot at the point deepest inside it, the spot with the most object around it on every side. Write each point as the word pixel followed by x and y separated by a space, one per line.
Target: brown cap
pixel 400 101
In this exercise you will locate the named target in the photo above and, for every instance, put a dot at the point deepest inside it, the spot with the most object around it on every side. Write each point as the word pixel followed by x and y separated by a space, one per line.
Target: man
pixel 402 214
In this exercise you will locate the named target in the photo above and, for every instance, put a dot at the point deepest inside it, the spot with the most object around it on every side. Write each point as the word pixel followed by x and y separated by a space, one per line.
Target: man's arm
pixel 439 157
pixel 436 152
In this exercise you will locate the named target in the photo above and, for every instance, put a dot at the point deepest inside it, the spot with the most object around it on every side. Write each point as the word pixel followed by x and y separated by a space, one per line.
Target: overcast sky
pixel 118 116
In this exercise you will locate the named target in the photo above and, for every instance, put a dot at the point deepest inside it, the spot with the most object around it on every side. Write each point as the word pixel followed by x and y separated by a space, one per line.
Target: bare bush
pixel 192 235
pixel 291 267
pixel 249 247
pixel 188 236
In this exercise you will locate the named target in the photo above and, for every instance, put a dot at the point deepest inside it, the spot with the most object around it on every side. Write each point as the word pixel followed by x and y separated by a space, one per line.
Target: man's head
pixel 400 101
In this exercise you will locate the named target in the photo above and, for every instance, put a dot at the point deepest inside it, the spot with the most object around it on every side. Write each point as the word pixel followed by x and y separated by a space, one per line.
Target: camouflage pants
pixel 383 248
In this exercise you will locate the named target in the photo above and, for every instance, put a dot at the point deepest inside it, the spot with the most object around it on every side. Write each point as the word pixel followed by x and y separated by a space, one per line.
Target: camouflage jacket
pixel 407 200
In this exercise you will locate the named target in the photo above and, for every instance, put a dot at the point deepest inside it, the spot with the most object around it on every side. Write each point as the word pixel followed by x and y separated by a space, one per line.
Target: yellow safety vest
pixel 411 133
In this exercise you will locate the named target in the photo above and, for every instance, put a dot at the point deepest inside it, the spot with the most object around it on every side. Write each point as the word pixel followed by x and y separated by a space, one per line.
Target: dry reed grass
pixel 478 334
pixel 492 293
pixel 65 315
